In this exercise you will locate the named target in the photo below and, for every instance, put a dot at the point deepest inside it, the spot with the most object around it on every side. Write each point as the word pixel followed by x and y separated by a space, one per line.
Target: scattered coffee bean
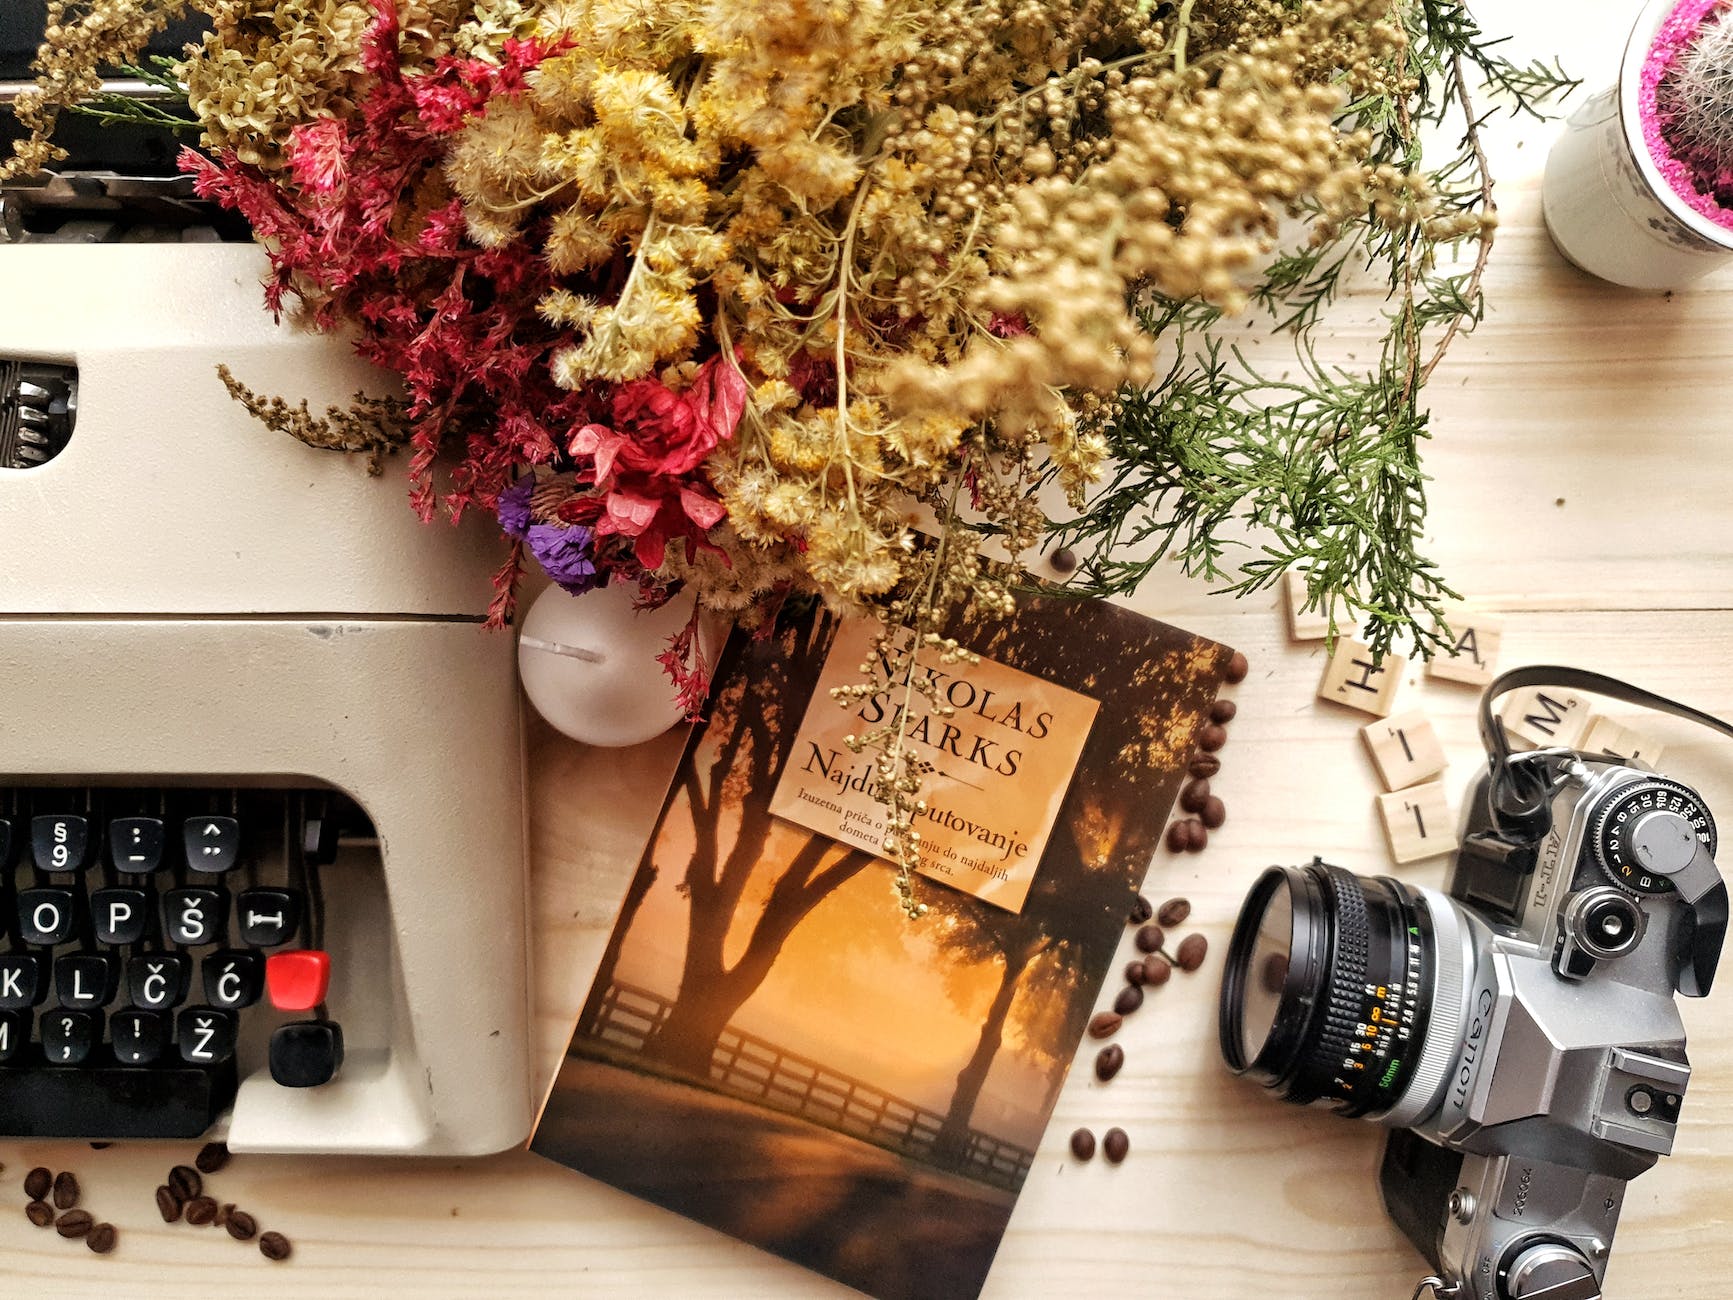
pixel 1192 950
pixel 1199 837
pixel 1212 737
pixel 1141 911
pixel 185 1181
pixel 65 1190
pixel 100 1146
pixel 1149 938
pixel 1115 1144
pixel 1194 795
pixel 41 1213
pixel 1213 813
pixel 75 1223
pixel 1174 911
pixel 1064 561
pixel 168 1204
pixel 211 1157
pixel 1134 971
pixel 1083 1144
pixel 1238 667
pixel 102 1238
pixel 1105 1024
pixel 1178 838
pixel 1130 999
pixel 241 1225
pixel 38 1182
pixel 1204 765
pixel 1156 970
pixel 274 1246
pixel 1223 711
pixel 201 1211
pixel 1108 1060
pixel 223 1213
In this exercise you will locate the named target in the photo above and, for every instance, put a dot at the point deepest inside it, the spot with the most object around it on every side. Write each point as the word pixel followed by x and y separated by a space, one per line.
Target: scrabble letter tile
pixel 1608 737
pixel 1417 822
pixel 1303 624
pixel 1473 657
pixel 1542 717
pixel 1350 678
pixel 1404 749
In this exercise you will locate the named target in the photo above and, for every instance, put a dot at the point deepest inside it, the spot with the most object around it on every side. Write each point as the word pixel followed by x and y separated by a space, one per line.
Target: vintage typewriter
pixel 262 847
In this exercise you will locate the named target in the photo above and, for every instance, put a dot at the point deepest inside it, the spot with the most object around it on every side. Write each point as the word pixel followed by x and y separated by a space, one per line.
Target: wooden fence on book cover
pixel 757 1069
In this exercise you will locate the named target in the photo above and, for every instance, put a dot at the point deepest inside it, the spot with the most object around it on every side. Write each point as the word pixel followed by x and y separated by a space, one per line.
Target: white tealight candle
pixel 588 663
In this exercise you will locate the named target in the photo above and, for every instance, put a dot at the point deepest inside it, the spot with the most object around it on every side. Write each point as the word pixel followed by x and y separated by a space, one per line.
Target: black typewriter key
pixel 135 844
pixel 157 981
pixel 69 1036
pixel 139 1037
pixel 60 843
pixel 45 916
pixel 21 982
pixel 234 979
pixel 84 980
pixel 14 1034
pixel 306 1053
pixel 268 917
pixel 8 841
pixel 213 844
pixel 206 1035
pixel 119 915
pixel 191 917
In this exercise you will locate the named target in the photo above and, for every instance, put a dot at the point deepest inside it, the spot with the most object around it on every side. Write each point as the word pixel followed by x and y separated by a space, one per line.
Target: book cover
pixel 772 1047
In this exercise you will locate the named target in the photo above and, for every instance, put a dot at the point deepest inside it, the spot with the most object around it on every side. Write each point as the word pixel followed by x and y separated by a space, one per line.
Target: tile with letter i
pixel 1417 822
pixel 1303 624
pixel 1472 656
pixel 1605 736
pixel 1544 717
pixel 1351 678
pixel 1404 749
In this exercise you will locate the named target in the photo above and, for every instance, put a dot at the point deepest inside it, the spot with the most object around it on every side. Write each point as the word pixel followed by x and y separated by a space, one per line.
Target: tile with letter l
pixel 1606 736
pixel 1417 822
pixel 1473 653
pixel 1351 678
pixel 1545 717
pixel 1404 748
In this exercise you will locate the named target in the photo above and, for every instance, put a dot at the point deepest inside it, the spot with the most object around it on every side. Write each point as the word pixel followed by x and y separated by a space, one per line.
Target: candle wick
pixel 569 651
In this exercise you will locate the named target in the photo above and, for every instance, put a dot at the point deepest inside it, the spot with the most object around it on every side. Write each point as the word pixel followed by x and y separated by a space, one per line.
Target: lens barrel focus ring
pixel 1344 1001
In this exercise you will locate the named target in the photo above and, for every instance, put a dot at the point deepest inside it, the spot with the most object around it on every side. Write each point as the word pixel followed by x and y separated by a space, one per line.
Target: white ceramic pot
pixel 1607 206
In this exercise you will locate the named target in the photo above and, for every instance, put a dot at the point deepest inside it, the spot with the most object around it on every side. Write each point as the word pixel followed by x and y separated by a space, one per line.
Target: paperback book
pixel 771 1046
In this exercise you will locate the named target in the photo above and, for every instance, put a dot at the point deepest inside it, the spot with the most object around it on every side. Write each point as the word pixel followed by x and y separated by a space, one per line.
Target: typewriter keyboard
pixel 148 934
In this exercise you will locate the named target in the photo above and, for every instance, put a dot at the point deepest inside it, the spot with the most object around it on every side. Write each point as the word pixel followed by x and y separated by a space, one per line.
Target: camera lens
pixel 1327 990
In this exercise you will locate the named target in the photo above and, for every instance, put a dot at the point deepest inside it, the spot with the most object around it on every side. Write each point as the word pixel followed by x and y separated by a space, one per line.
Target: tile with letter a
pixel 1473 653
pixel 1605 736
pixel 1417 822
pixel 1351 678
pixel 1404 749
pixel 1545 717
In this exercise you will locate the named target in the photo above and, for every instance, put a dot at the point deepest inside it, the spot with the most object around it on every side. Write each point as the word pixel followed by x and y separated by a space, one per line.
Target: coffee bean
pixel 223 1213
pixel 1134 971
pixel 1156 971
pixel 1130 999
pixel 1108 1060
pixel 1115 1144
pixel 1193 796
pixel 100 1146
pixel 1192 950
pixel 1238 667
pixel 41 1213
pixel 1199 837
pixel 168 1204
pixel 1083 1144
pixel 1204 765
pixel 1149 938
pixel 1223 711
pixel 211 1157
pixel 1064 561
pixel 38 1182
pixel 275 1246
pixel 1178 838
pixel 1212 737
pixel 102 1238
pixel 1141 911
pixel 201 1211
pixel 241 1225
pixel 74 1223
pixel 1105 1024
pixel 65 1190
pixel 1174 911
pixel 1213 813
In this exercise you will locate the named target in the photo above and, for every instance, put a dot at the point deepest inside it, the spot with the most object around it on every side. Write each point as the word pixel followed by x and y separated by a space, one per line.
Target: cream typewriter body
pixel 261 788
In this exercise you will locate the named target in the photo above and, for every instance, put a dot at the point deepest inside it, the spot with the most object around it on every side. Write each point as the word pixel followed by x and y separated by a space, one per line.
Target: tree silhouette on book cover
pixel 773 1048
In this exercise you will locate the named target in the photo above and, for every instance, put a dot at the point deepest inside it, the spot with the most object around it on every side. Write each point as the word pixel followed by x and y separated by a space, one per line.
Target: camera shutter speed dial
pixel 1649 831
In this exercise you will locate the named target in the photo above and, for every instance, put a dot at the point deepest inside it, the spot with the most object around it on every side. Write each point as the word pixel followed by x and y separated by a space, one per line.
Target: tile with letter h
pixel 1352 678
pixel 1545 717
pixel 1417 822
pixel 1404 748
pixel 1473 653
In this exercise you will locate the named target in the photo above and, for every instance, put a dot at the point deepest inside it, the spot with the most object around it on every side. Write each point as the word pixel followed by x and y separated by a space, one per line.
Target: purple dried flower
pixel 513 507
pixel 564 551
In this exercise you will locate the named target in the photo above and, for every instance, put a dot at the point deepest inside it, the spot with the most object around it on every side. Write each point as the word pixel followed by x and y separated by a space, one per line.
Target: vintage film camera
pixel 1518 1032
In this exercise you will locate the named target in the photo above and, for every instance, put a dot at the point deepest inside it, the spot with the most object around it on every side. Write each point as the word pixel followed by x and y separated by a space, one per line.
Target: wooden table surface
pixel 1583 473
